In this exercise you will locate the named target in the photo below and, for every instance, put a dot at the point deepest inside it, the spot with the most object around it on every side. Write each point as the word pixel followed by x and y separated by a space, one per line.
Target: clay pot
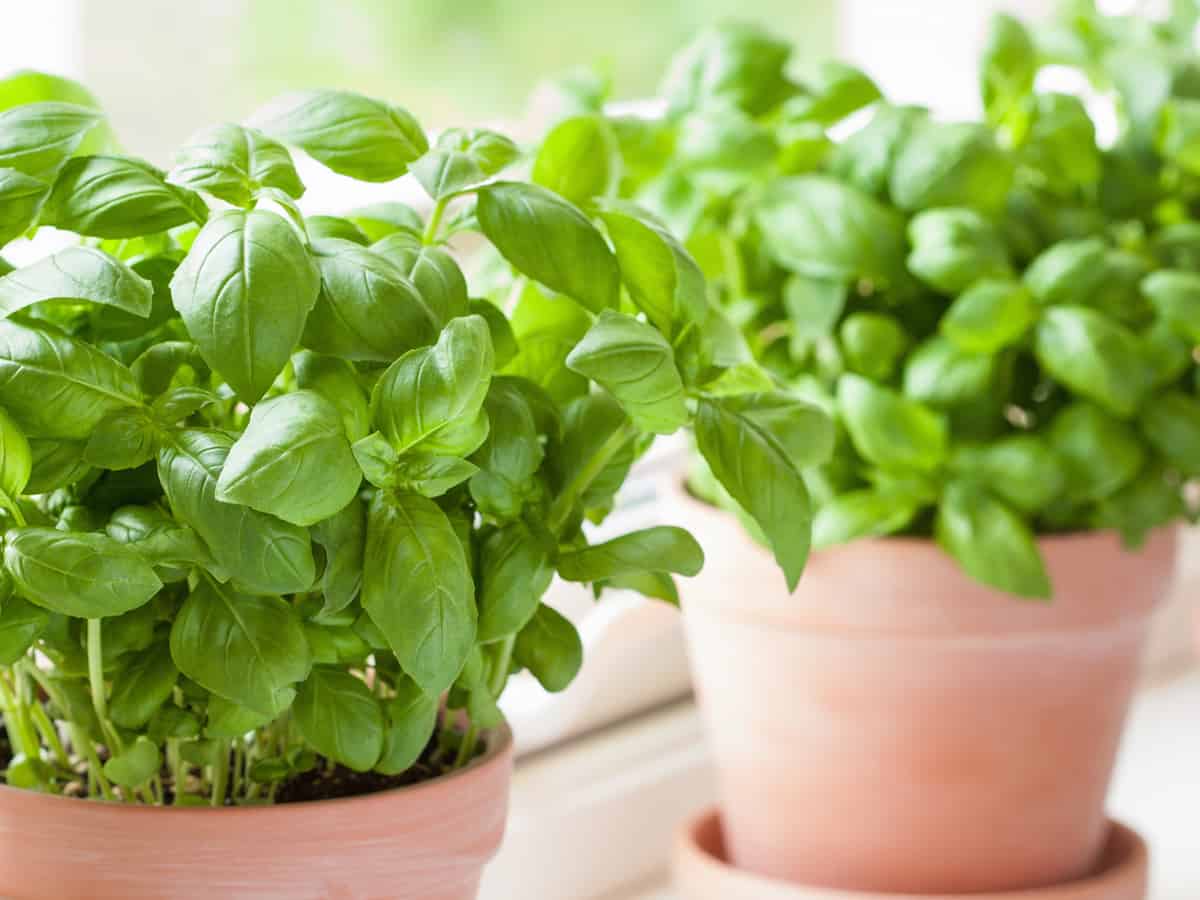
pixel 702 873
pixel 896 726
pixel 429 841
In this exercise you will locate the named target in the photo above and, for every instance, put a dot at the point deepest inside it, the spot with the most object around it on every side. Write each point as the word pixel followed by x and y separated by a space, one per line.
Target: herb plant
pixel 1002 316
pixel 282 493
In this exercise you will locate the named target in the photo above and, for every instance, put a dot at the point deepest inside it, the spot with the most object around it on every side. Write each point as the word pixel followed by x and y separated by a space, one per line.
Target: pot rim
pixel 1124 861
pixel 499 746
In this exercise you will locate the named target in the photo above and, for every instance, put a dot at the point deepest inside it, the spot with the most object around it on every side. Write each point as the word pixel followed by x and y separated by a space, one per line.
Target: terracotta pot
pixel 895 726
pixel 702 873
pixel 425 842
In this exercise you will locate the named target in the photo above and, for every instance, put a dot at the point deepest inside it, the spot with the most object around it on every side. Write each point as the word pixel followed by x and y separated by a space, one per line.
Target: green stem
pixel 435 220
pixel 16 719
pixel 239 759
pixel 50 735
pixel 95 769
pixel 565 502
pixel 466 750
pixel 732 258
pixel 95 657
pixel 502 661
pixel 220 777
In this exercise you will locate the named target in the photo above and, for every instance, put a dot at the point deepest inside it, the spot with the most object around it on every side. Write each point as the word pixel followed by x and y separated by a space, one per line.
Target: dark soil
pixel 322 783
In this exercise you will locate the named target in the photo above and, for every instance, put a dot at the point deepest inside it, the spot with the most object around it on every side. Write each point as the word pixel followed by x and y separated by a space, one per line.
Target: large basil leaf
pixel 16 460
pixel 989 316
pixel 1101 454
pixel 292 461
pixel 888 429
pixel 411 719
pixel 158 538
pixel 835 91
pixel 351 134
pixel 873 343
pixel 343 537
pixel 1176 297
pixel 551 241
pixel 418 588
pixel 118 197
pixel 368 308
pixel 337 381
pixel 942 375
pixel 261 644
pixel 578 159
pixel 142 686
pixel 263 554
pixel 953 248
pixel 511 454
pixel 428 395
pixel 859 514
pixel 515 571
pixel 77 273
pixel 659 549
pixel 1069 272
pixel 738 64
pixel 589 423
pixel 85 575
pixel 951 164
pixel 244 291
pixel 865 158
pixel 37 138
pixel 1093 356
pixel 433 272
pixel 824 228
pixel 20 625
pixel 57 387
pixel 20 199
pixel 1021 469
pixel 234 163
pixel 1171 422
pixel 991 542
pixel 546 329
pixel 336 713
pixel 662 278
pixel 636 364
pixel 756 445
pixel 463 158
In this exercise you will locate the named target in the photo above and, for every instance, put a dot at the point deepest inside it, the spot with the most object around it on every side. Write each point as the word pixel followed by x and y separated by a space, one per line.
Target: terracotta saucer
pixel 701 873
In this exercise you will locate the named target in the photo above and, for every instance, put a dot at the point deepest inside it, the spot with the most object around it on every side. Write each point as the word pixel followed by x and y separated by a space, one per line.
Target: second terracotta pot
pixel 425 842
pixel 895 726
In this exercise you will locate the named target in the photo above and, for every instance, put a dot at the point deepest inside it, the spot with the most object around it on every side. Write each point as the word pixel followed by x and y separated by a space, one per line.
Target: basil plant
pixel 1002 316
pixel 283 496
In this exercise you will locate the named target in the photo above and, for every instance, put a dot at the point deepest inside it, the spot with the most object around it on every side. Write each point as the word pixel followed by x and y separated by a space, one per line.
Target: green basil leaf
pixel 463 158
pixel 504 342
pixel 234 163
pixel 510 456
pixel 26 86
pixel 633 361
pixel 1093 356
pixel 756 445
pixel 546 331
pixel 873 344
pixel 135 765
pixel 77 273
pixel 351 134
pixel 336 713
pixel 1101 454
pixel 550 648
pixel 951 164
pixel 292 461
pixel 56 464
pixel 1150 501
pixel 1069 272
pixel 57 387
pixel 835 91
pixel 578 159
pixel 433 272
pixel 721 143
pixel 411 720
pixel 1008 65
pixel 263 554
pixel 1176 297
pixel 335 380
pixel 36 139
pixel 158 538
pixel 142 686
pixel 378 220
pixel 940 374
pixel 367 309
pixel 738 64
pixel 1061 144
pixel 418 589
pixel 865 158
pixel 515 571
pixel 325 228
pixel 20 625
pixel 263 651
pixel 244 291
pixel 663 279
pixel 991 542
pixel 427 395
pixel 658 549
pixel 156 368
pixel 953 248
pixel 589 423
pixel 118 197
pixel 989 316
pixel 124 439
pixel 343 537
pixel 860 514
pixel 654 585
pixel 227 719
pixel 21 199
pixel 823 228
pixel 549 240
pixel 888 429
pixel 85 575
pixel 1022 470
pixel 16 459
pixel 1171 423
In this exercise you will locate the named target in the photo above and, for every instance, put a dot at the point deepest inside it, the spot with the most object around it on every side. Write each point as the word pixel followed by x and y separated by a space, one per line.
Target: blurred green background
pixel 449 62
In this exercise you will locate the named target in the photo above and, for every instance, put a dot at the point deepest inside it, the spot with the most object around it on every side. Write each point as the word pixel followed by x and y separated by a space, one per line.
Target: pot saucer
pixel 702 873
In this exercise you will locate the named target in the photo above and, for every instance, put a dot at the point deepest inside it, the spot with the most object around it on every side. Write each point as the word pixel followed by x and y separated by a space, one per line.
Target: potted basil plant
pixel 282 497
pixel 1002 318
